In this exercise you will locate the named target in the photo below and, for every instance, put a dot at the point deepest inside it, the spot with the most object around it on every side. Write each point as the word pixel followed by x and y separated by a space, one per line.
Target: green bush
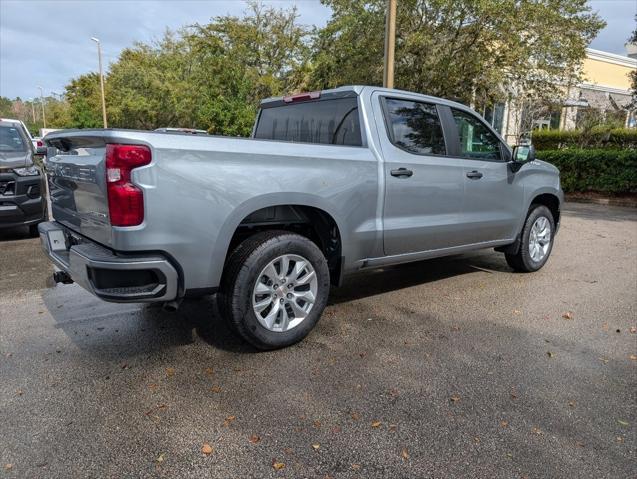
pixel 599 170
pixel 598 137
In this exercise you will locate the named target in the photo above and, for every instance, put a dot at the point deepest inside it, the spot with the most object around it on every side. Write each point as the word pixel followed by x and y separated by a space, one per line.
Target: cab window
pixel 414 126
pixel 476 140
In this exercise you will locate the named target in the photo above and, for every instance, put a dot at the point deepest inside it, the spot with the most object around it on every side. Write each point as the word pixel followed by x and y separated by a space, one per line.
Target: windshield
pixel 11 140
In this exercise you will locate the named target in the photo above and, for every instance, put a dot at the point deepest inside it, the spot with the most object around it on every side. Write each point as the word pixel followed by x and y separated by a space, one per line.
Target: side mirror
pixel 40 150
pixel 522 154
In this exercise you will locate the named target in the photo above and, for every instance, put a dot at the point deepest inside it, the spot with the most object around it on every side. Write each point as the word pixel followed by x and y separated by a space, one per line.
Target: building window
pixel 495 116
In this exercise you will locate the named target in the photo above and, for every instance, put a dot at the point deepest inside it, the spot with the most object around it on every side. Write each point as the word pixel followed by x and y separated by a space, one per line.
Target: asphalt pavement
pixel 455 367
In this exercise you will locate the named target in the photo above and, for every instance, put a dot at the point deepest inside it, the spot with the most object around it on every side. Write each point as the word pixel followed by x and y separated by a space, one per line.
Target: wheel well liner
pixel 309 221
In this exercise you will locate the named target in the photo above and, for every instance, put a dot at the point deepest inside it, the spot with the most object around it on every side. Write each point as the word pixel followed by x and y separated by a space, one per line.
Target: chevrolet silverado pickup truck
pixel 330 183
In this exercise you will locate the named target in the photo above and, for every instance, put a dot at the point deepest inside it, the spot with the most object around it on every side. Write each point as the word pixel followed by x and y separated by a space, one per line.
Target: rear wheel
pixel 536 241
pixel 33 231
pixel 274 288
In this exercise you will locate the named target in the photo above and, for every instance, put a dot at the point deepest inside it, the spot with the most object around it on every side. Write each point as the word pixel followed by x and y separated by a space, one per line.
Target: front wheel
pixel 274 288
pixel 536 241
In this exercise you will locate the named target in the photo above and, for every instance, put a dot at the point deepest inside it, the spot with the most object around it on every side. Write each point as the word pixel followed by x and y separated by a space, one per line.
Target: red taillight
pixel 125 200
pixel 40 144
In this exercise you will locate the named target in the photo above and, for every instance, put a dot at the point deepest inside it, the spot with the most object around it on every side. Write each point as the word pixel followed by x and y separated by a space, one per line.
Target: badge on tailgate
pixel 57 242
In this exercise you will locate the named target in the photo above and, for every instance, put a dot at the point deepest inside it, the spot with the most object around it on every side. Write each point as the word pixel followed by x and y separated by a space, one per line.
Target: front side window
pixel 415 127
pixel 476 140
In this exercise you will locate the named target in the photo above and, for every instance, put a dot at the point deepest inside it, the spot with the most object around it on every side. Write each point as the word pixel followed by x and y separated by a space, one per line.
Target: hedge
pixel 599 170
pixel 618 138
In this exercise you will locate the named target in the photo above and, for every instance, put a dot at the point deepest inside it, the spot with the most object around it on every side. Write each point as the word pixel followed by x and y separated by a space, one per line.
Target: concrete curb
pixel 625 202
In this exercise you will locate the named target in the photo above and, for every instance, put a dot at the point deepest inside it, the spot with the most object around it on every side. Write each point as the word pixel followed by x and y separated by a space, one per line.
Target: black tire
pixel 522 260
pixel 33 231
pixel 241 274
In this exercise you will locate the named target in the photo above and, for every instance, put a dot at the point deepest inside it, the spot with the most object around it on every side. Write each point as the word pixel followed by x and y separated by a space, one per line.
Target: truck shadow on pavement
pixel 131 329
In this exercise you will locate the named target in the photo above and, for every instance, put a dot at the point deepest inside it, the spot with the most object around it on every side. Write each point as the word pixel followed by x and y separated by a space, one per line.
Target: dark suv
pixel 22 185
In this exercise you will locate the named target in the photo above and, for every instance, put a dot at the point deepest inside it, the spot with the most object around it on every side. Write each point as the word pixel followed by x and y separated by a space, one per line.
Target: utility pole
pixel 32 109
pixel 390 44
pixel 42 103
pixel 99 58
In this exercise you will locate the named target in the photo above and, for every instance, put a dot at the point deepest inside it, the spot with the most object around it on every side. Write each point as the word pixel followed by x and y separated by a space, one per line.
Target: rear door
pixel 492 196
pixel 423 184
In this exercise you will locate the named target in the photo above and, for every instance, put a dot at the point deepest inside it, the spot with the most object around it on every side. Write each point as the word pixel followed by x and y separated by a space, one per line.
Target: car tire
pixel 250 281
pixel 535 249
pixel 33 231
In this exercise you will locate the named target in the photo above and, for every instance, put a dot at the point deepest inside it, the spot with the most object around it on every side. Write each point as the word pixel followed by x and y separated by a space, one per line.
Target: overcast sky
pixel 47 42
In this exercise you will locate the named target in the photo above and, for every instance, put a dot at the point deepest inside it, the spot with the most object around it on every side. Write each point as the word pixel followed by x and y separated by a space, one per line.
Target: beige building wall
pixel 606 85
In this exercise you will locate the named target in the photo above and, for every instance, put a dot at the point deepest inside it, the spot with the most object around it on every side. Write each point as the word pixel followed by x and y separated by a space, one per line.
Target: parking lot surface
pixel 455 367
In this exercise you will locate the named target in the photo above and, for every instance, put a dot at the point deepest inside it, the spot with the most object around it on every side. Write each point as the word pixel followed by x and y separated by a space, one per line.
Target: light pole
pixel 390 44
pixel 32 109
pixel 99 58
pixel 42 103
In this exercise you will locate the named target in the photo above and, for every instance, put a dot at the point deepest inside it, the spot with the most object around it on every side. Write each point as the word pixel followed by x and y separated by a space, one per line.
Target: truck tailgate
pixel 77 186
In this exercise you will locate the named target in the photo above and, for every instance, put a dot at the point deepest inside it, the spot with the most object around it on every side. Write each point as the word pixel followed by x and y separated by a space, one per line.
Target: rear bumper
pixel 110 276
pixel 21 200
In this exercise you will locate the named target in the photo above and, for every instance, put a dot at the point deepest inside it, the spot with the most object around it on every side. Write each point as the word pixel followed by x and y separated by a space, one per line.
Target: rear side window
pixel 330 122
pixel 476 140
pixel 11 139
pixel 415 126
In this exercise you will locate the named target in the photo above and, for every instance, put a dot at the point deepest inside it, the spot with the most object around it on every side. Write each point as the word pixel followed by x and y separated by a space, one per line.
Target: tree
pixel 632 106
pixel 477 51
pixel 84 101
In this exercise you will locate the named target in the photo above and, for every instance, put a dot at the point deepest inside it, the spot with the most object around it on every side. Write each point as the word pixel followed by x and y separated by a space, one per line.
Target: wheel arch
pixel 301 213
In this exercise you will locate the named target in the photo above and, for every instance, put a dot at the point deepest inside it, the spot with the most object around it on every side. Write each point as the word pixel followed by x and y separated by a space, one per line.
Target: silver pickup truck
pixel 331 183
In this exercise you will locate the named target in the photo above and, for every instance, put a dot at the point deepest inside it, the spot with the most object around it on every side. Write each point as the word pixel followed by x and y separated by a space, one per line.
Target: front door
pixel 423 186
pixel 492 196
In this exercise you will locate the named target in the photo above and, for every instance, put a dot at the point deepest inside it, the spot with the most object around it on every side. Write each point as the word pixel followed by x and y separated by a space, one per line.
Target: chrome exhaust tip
pixel 172 306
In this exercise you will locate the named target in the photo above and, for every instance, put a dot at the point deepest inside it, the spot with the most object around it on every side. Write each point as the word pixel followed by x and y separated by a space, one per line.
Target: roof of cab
pixel 355 90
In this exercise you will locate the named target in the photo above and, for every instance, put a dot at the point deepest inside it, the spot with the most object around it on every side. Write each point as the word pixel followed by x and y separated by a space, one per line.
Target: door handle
pixel 402 172
pixel 474 175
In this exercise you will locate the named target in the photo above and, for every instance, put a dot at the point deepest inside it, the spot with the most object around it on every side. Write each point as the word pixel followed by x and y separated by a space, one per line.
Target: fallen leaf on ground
pixel 209 371
pixel 633 330
pixel 623 423
pixel 392 428
pixel 316 446
pixel 504 423
pixel 619 439
pixel 568 315
pixel 254 439
pixel 454 398
pixel 579 444
pixel 206 449
pixel 633 357
pixel 376 424
pixel 516 311
pixel 405 454
pixel 604 360
pixel 215 389
pixel 228 420
pixel 8 467
pixel 153 386
pixel 571 403
pixel 549 354
pixel 159 407
pixel 317 424
pixel 476 439
pixel 356 467
pixel 355 416
pixel 170 372
pixel 160 458
pixel 19 392
pixel 278 465
pixel 536 430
